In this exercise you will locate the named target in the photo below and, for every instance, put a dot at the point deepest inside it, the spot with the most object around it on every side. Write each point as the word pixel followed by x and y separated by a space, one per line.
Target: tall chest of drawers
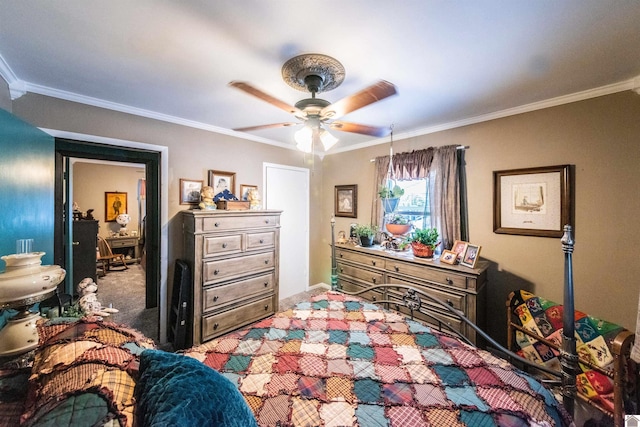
pixel 461 287
pixel 234 258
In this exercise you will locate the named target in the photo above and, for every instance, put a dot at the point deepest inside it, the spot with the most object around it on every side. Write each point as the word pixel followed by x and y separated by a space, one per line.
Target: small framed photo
pixel 190 191
pixel 221 181
pixel 470 256
pixel 346 201
pixel 459 246
pixel 244 191
pixel 448 257
pixel 115 203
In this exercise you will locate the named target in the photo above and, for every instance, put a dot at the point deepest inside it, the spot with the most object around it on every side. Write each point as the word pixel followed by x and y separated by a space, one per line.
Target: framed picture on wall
pixel 346 201
pixel 115 203
pixel 221 181
pixel 532 201
pixel 190 191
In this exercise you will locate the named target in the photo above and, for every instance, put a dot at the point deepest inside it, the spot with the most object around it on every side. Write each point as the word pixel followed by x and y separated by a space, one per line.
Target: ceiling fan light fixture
pixel 327 139
pixel 304 139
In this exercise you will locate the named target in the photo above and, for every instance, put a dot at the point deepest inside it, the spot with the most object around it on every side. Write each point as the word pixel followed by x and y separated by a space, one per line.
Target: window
pixel 414 204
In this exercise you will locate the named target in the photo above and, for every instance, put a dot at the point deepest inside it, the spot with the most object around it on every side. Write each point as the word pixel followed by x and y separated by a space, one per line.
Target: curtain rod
pixel 459 147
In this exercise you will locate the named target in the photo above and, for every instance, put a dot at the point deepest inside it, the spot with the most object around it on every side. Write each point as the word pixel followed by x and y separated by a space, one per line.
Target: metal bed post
pixel 334 265
pixel 568 357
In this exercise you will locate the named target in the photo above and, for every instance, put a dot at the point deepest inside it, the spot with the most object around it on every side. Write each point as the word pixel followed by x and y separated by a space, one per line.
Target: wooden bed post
pixel 569 357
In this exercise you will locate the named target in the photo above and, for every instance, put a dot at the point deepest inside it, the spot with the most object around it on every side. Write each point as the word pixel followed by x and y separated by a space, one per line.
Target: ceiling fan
pixel 316 73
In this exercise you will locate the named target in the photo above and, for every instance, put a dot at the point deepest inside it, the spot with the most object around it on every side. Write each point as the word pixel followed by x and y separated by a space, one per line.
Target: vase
pixel 398 229
pixel 422 251
pixel 366 241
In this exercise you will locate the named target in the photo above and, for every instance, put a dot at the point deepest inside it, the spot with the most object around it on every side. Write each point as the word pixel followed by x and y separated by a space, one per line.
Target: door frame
pixel 155 158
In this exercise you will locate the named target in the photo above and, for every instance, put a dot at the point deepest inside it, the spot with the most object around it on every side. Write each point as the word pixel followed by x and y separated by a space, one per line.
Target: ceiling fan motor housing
pixel 313 73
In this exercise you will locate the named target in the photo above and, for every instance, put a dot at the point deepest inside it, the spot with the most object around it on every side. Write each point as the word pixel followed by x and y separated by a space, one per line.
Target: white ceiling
pixel 453 62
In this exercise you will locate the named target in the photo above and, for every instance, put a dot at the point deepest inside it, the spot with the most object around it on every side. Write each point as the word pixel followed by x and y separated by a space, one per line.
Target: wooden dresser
pixel 462 287
pixel 233 256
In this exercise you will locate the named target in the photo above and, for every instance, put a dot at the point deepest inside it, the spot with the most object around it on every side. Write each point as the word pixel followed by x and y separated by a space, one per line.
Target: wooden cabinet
pixel 461 287
pixel 85 241
pixel 234 258
pixel 129 246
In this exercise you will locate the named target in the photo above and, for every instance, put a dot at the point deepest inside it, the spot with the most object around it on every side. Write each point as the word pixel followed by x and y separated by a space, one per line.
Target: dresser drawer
pixel 122 242
pixel 433 318
pixel 353 287
pixel 218 296
pixel 226 321
pixel 217 270
pixel 232 222
pixel 369 276
pixel 365 260
pixel 453 299
pixel 221 245
pixel 260 240
pixel 425 273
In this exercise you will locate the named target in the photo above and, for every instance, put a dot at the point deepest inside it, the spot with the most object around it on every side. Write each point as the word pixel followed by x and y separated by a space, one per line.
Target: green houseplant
pixel 366 233
pixel 390 195
pixel 423 242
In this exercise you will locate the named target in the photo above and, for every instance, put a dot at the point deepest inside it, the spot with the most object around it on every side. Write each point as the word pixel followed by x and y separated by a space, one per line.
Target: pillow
pixel 177 390
pixel 83 374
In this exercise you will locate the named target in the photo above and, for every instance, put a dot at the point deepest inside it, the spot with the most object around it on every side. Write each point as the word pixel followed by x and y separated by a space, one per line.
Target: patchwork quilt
pixel 338 360
pixel 593 335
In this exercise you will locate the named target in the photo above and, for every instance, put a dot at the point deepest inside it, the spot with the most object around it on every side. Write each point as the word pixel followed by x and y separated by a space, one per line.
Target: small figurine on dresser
pixel 88 301
pixel 206 194
pixel 254 199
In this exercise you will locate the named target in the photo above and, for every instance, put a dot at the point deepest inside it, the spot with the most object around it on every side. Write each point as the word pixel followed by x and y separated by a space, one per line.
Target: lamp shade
pixel 304 139
pixel 327 139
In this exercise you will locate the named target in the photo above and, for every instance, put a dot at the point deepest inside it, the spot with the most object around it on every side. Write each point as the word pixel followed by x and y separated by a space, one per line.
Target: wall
pixel 92 180
pixel 26 187
pixel 192 152
pixel 600 137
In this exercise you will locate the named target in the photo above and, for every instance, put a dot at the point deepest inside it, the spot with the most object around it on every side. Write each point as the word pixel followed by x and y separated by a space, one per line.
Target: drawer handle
pixel 215 298
pixel 261 240
pixel 449 281
pixel 374 298
pixel 397 307
pixel 266 261
pixel 215 326
pixel 373 279
pixel 340 255
pixel 224 246
pixel 216 224
pixel 75 243
pixel 341 270
pixel 266 221
pixel 266 284
pixel 450 302
pixel 396 268
pixel 215 272
pixel 266 307
pixel 373 263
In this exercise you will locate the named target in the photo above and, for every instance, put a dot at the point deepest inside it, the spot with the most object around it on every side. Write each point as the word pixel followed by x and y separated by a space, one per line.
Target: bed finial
pixel 567 240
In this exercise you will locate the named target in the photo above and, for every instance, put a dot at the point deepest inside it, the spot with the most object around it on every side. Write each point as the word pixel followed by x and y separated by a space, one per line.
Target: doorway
pixel 68 148
pixel 287 189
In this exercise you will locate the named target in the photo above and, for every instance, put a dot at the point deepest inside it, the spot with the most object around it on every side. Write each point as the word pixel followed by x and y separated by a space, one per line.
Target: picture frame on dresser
pixel 221 180
pixel 471 255
pixel 190 191
pixel 459 246
pixel 532 201
pixel 115 203
pixel 346 201
pixel 448 257
pixel 244 191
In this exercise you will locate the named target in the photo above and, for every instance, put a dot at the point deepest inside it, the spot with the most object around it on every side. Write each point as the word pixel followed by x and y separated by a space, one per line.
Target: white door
pixel 287 188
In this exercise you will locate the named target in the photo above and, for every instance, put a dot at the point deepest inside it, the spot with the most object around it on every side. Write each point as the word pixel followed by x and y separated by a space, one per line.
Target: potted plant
pixel 424 242
pixel 366 233
pixel 390 196
pixel 398 225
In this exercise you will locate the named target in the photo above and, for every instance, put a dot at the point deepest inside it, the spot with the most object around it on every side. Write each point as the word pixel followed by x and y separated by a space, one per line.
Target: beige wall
pixel 91 181
pixel 601 137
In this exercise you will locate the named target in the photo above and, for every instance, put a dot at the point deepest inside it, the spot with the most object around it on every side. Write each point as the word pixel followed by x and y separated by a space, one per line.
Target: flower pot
pixel 390 205
pixel 366 241
pixel 398 229
pixel 422 251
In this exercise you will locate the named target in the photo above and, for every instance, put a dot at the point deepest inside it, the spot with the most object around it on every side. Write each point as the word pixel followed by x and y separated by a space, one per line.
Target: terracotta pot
pixel 398 229
pixel 422 251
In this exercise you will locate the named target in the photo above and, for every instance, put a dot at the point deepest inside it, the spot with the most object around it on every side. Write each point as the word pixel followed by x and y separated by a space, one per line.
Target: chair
pixel 107 257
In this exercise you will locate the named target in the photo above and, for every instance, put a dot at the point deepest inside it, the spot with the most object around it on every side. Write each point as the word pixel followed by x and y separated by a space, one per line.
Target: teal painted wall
pixel 26 186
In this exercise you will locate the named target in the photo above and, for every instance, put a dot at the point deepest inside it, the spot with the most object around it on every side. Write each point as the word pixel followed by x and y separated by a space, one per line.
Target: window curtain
pixel 441 165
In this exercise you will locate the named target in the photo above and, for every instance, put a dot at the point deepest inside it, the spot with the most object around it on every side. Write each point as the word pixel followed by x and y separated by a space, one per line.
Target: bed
pixel 335 360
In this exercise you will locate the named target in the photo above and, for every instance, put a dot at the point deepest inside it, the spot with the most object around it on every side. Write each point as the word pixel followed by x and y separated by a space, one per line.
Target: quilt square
pixel 312 365
pixel 371 416
pixel 338 325
pixel 359 337
pixel 286 363
pixel 295 334
pixel 304 412
pixel 336 351
pixel 364 369
pixel 339 367
pixel 391 374
pixel 312 387
pixel 286 383
pixel 357 351
pixel 387 356
pixel 339 388
pixel 337 414
pixel 237 363
pixel 338 336
pixel 397 394
pixel 367 390
pixel 430 395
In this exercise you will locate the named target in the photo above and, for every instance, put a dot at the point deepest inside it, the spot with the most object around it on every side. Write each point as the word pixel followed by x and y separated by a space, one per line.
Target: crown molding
pixel 17 87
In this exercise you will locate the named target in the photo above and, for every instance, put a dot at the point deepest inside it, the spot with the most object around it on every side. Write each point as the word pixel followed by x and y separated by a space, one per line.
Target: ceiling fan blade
pixel 378 131
pixel 260 127
pixel 251 90
pixel 376 92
